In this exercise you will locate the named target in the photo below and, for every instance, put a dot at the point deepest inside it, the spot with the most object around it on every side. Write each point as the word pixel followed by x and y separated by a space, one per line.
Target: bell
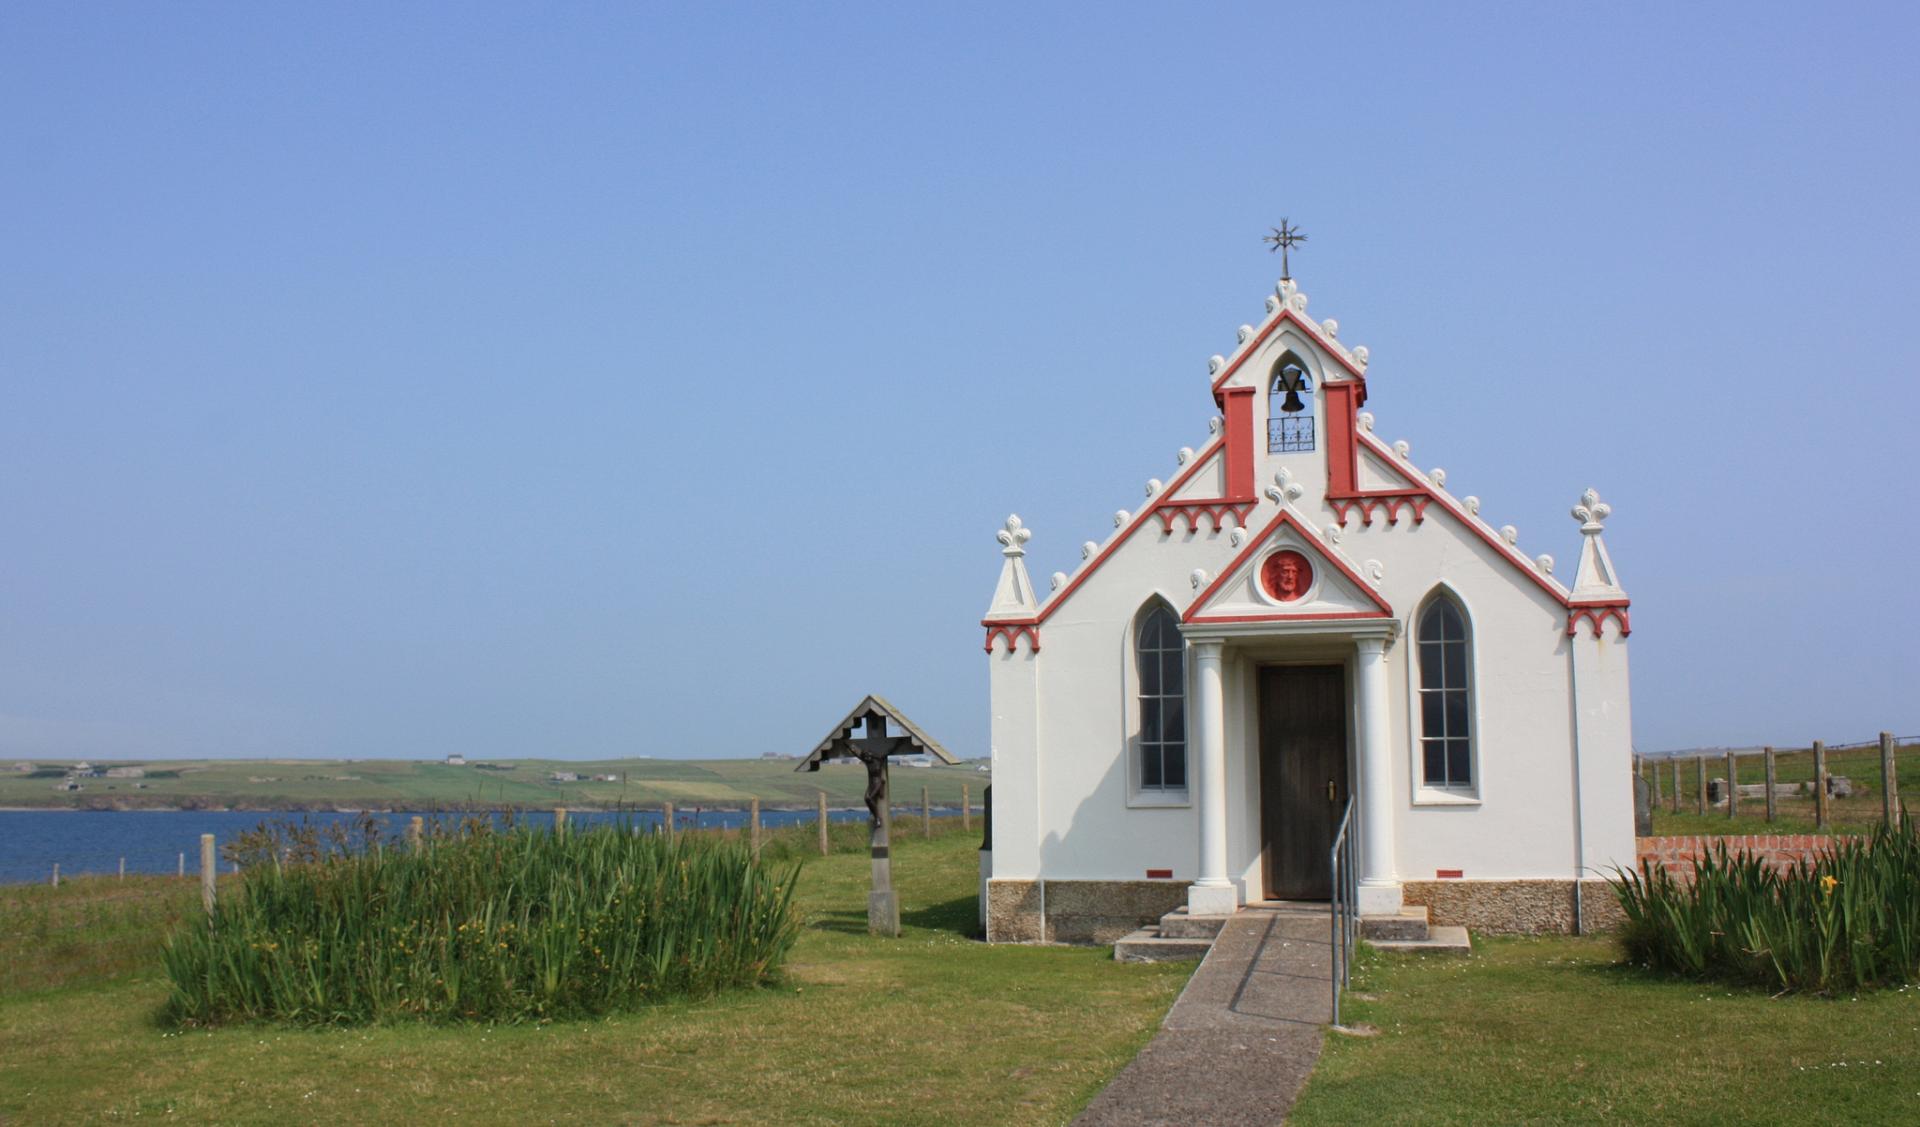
pixel 1292 402
pixel 1293 378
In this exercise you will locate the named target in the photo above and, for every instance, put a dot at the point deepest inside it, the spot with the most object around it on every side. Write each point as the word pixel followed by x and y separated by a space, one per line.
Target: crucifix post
pixel 883 907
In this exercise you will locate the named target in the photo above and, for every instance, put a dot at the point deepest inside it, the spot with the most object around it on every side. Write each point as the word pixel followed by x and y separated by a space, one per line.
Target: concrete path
pixel 1242 1037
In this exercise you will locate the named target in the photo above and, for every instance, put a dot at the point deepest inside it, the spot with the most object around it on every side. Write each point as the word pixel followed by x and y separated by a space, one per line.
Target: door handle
pixel 1330 791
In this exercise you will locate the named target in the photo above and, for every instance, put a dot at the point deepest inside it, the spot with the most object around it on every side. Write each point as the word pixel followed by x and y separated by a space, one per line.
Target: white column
pixel 1379 889
pixel 1212 894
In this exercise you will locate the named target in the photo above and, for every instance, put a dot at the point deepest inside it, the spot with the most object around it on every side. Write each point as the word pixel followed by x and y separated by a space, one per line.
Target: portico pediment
pixel 1286 573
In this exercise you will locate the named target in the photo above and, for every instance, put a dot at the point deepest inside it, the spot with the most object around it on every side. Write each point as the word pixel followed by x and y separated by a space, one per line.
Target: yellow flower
pixel 1827 883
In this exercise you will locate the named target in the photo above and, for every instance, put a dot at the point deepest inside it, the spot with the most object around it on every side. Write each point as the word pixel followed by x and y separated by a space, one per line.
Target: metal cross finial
pixel 1284 238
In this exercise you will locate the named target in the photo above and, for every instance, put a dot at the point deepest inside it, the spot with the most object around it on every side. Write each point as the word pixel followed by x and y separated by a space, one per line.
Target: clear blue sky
pixel 555 380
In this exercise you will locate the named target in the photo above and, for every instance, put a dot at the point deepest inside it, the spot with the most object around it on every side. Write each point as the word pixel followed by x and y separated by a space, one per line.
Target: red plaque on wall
pixel 1286 575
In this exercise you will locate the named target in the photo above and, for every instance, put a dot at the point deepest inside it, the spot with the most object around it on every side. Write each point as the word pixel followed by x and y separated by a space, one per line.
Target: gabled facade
pixel 1300 627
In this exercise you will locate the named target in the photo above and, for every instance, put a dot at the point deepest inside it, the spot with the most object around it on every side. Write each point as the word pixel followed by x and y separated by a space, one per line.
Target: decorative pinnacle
pixel 1013 538
pixel 1284 238
pixel 1590 512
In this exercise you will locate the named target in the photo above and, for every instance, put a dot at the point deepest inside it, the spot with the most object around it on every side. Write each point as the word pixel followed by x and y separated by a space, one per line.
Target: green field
pixel 1792 814
pixel 398 784
pixel 933 1027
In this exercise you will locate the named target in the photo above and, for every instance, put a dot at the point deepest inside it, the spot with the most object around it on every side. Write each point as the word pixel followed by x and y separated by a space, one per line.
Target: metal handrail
pixel 1345 898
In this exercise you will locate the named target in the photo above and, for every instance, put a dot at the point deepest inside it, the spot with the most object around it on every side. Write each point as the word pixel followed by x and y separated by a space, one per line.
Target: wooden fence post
pixel 183 865
pixel 208 872
pixel 1676 784
pixel 966 807
pixel 415 830
pixel 1700 772
pixel 1819 785
pixel 56 874
pixel 1768 752
pixel 825 846
pixel 1659 800
pixel 1889 782
pixel 926 815
pixel 1733 785
pixel 753 827
pixel 559 820
pixel 666 819
pixel 123 868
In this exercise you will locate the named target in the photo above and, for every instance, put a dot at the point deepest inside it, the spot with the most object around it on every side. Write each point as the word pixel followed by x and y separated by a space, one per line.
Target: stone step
pixel 1444 940
pixel 1148 946
pixel 1410 925
pixel 1178 924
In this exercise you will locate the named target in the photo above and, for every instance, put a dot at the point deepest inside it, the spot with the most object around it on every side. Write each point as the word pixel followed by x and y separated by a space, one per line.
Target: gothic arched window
pixel 1446 696
pixel 1289 406
pixel 1160 660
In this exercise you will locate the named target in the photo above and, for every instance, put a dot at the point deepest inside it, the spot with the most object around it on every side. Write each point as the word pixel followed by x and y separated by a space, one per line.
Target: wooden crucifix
pixel 873 749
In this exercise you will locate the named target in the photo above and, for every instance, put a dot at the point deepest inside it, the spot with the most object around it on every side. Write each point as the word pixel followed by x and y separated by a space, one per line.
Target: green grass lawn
pixel 1557 1031
pixel 933 1027
pixel 401 784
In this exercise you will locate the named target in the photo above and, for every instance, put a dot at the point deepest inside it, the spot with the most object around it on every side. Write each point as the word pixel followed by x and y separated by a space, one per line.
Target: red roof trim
pixel 1504 550
pixel 1053 604
pixel 1283 520
pixel 1312 330
pixel 1332 616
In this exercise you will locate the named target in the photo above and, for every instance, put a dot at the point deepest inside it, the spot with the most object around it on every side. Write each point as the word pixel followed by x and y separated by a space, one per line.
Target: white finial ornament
pixel 1590 512
pixel 1153 486
pixel 1438 476
pixel 1013 538
pixel 1595 581
pixel 1214 423
pixel 1330 327
pixel 1245 333
pixel 1184 456
pixel 1237 535
pixel 1284 489
pixel 1403 449
pixel 1059 580
pixel 1473 505
pixel 1121 517
pixel 1544 562
pixel 1215 363
pixel 1088 549
pixel 1198 578
pixel 1510 534
pixel 1366 420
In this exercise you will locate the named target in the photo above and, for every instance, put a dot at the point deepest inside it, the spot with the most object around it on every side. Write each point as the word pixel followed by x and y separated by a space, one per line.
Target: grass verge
pixel 1558 1030
pixel 933 1027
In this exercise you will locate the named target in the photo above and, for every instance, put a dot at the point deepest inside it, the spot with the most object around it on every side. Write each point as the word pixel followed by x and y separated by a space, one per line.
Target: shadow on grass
pixel 958 916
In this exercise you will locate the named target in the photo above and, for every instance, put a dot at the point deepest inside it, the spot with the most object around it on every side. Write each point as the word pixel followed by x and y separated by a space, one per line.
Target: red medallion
pixel 1286 576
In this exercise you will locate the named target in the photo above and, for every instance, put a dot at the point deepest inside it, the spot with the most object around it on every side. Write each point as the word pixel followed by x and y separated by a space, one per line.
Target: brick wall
pixel 1677 854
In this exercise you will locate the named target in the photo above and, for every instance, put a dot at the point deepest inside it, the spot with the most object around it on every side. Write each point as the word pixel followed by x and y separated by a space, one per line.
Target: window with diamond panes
pixel 1446 695
pixel 1161 657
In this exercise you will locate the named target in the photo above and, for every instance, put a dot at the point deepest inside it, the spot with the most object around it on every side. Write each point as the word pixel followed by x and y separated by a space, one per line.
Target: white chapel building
pixel 1302 627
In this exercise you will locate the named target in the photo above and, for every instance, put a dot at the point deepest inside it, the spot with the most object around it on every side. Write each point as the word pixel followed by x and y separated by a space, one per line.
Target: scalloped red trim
pixel 1011 631
pixel 1596 615
pixel 1191 512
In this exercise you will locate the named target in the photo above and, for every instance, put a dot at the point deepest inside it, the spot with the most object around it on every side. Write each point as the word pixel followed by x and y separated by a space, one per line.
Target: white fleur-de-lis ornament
pixel 1013 538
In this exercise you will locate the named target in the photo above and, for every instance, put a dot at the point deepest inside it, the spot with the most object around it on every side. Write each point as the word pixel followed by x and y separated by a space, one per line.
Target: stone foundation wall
pixel 1516 907
pixel 1076 911
pixel 1782 851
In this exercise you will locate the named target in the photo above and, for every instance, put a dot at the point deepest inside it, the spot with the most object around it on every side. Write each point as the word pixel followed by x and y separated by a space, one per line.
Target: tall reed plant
pixel 1848 921
pixel 483 924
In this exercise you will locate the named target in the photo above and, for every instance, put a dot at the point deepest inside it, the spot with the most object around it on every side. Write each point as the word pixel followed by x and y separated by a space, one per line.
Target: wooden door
pixel 1303 775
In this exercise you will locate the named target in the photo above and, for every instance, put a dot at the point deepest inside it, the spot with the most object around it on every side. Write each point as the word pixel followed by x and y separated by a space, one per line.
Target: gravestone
pixel 1642 807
